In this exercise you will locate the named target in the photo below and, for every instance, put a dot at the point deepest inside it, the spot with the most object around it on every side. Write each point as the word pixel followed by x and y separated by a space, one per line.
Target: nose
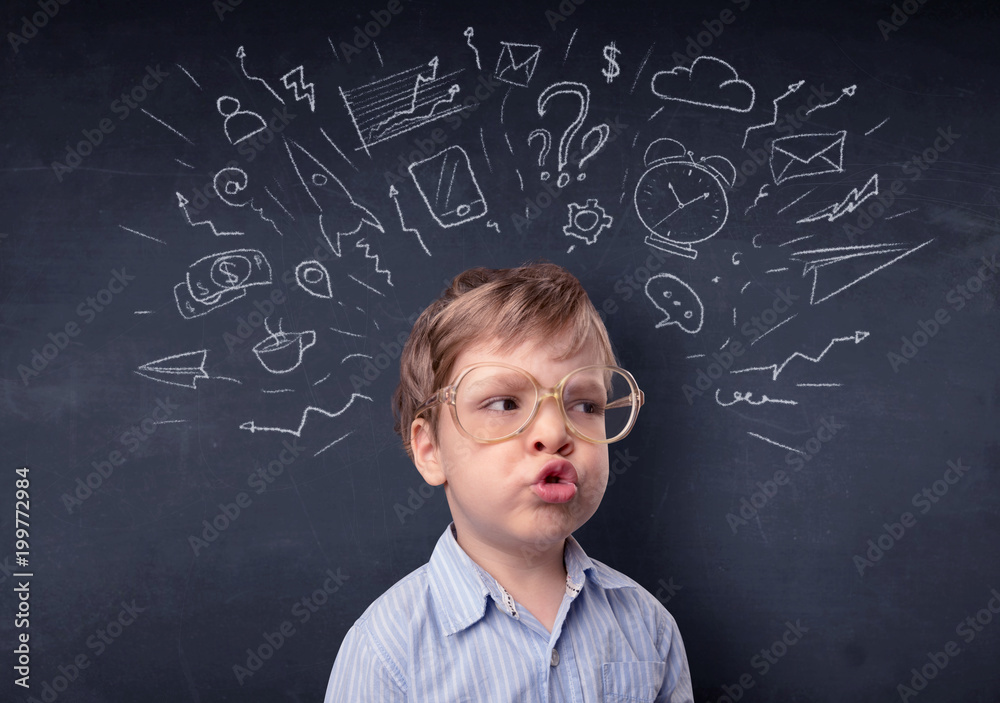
pixel 548 431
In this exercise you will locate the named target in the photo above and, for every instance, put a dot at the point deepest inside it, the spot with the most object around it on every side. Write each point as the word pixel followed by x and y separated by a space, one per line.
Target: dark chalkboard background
pixel 751 519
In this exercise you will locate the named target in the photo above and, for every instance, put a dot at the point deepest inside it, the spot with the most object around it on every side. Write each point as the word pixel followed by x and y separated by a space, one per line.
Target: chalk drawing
pixel 642 65
pixel 851 202
pixel 340 215
pixel 610 54
pixel 241 54
pixel 682 202
pixel 772 329
pixel 469 33
pixel 710 82
pixel 803 155
pixel 847 92
pixel 774 117
pixel 817 259
pixel 388 107
pixel 597 136
pixel 314 279
pixel 344 436
pixel 252 427
pixel 776 444
pixel 295 80
pixel 231 185
pixel 761 194
pixel 186 73
pixel 569 44
pixel 157 119
pixel 796 200
pixel 876 126
pixel 776 369
pixel 184 370
pixel 239 124
pixel 587 221
pixel 219 279
pixel 133 231
pixel 394 196
pixel 448 186
pixel 517 63
pixel 182 203
pixel 739 397
pixel 282 352
pixel 334 145
pixel 677 301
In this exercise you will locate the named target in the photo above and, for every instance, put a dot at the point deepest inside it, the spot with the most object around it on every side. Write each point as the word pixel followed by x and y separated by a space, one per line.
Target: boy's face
pixel 496 491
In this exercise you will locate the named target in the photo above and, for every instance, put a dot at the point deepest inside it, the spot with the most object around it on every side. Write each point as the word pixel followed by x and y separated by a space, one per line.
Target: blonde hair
pixel 533 301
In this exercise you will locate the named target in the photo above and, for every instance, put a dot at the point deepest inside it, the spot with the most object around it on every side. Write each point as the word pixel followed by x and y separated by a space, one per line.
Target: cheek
pixel 601 460
pixel 597 479
pixel 479 470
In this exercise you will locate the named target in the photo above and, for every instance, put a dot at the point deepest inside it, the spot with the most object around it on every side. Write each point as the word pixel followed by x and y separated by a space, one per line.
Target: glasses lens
pixel 599 402
pixel 494 401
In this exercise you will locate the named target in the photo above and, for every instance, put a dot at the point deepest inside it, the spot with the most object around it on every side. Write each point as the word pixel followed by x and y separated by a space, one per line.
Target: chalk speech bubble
pixel 678 301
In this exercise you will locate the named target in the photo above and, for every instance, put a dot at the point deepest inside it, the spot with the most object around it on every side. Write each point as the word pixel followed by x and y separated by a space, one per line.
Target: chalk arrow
pixel 182 203
pixel 394 195
pixel 776 369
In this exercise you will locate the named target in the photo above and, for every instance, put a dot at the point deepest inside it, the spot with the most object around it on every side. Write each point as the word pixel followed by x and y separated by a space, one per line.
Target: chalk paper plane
pixel 879 255
pixel 178 370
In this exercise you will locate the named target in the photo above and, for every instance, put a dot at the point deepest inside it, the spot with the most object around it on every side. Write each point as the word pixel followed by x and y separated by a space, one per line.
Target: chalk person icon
pixel 238 120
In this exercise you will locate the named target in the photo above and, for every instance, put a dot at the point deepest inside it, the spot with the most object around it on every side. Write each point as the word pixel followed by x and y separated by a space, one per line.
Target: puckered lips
pixel 556 482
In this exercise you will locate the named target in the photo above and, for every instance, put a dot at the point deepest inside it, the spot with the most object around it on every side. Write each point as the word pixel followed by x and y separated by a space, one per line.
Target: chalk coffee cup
pixel 282 351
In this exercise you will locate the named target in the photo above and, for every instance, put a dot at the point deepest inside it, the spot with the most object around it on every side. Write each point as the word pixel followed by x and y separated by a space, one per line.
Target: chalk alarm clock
pixel 680 201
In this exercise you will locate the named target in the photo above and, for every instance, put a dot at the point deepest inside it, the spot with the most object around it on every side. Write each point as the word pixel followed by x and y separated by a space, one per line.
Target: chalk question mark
pixel 546 145
pixel 602 131
pixel 582 93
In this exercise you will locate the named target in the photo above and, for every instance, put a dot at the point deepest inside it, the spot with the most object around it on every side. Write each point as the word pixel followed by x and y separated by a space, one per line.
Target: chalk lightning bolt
pixel 295 79
pixel 394 195
pixel 849 204
pixel 362 244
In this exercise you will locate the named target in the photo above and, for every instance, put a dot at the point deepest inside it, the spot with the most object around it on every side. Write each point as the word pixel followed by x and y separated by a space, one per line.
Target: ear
pixel 425 452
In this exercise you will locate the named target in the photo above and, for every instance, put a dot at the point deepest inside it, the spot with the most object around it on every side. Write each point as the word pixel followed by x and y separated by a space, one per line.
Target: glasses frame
pixel 448 394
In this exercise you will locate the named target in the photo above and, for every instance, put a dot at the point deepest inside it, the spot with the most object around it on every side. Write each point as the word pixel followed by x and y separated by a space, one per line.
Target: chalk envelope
pixel 803 155
pixel 517 63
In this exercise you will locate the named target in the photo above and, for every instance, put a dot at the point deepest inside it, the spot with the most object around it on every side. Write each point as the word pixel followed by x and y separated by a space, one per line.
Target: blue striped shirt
pixel 450 632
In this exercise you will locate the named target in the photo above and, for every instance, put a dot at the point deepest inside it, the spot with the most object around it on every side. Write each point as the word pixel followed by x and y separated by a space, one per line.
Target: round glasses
pixel 492 402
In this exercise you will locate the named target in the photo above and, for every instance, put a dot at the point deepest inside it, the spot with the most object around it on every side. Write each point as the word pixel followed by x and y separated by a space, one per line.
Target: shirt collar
pixel 579 565
pixel 455 584
pixel 461 587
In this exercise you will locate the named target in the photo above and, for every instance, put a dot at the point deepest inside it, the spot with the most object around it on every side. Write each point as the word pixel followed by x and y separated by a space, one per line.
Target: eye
pixel 500 404
pixel 588 407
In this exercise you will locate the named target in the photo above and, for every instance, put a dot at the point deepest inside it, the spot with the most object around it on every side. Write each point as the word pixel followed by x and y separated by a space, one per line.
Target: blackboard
pixel 221 219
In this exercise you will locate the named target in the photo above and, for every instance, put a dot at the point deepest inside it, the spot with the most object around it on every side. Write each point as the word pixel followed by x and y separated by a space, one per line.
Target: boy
pixel 508 397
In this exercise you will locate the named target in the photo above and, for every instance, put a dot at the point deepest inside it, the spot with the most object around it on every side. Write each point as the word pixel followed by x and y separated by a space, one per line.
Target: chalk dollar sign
pixel 612 71
pixel 227 270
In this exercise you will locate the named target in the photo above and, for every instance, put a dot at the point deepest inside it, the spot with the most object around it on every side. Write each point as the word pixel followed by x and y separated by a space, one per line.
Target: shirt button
pixel 554 661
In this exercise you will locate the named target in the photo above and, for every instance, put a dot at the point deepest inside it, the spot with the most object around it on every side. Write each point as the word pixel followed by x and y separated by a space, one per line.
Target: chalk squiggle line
pixel 251 426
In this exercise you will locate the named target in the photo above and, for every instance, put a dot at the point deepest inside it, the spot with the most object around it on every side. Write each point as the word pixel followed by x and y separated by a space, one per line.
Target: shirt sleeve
pixel 360 675
pixel 677 683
